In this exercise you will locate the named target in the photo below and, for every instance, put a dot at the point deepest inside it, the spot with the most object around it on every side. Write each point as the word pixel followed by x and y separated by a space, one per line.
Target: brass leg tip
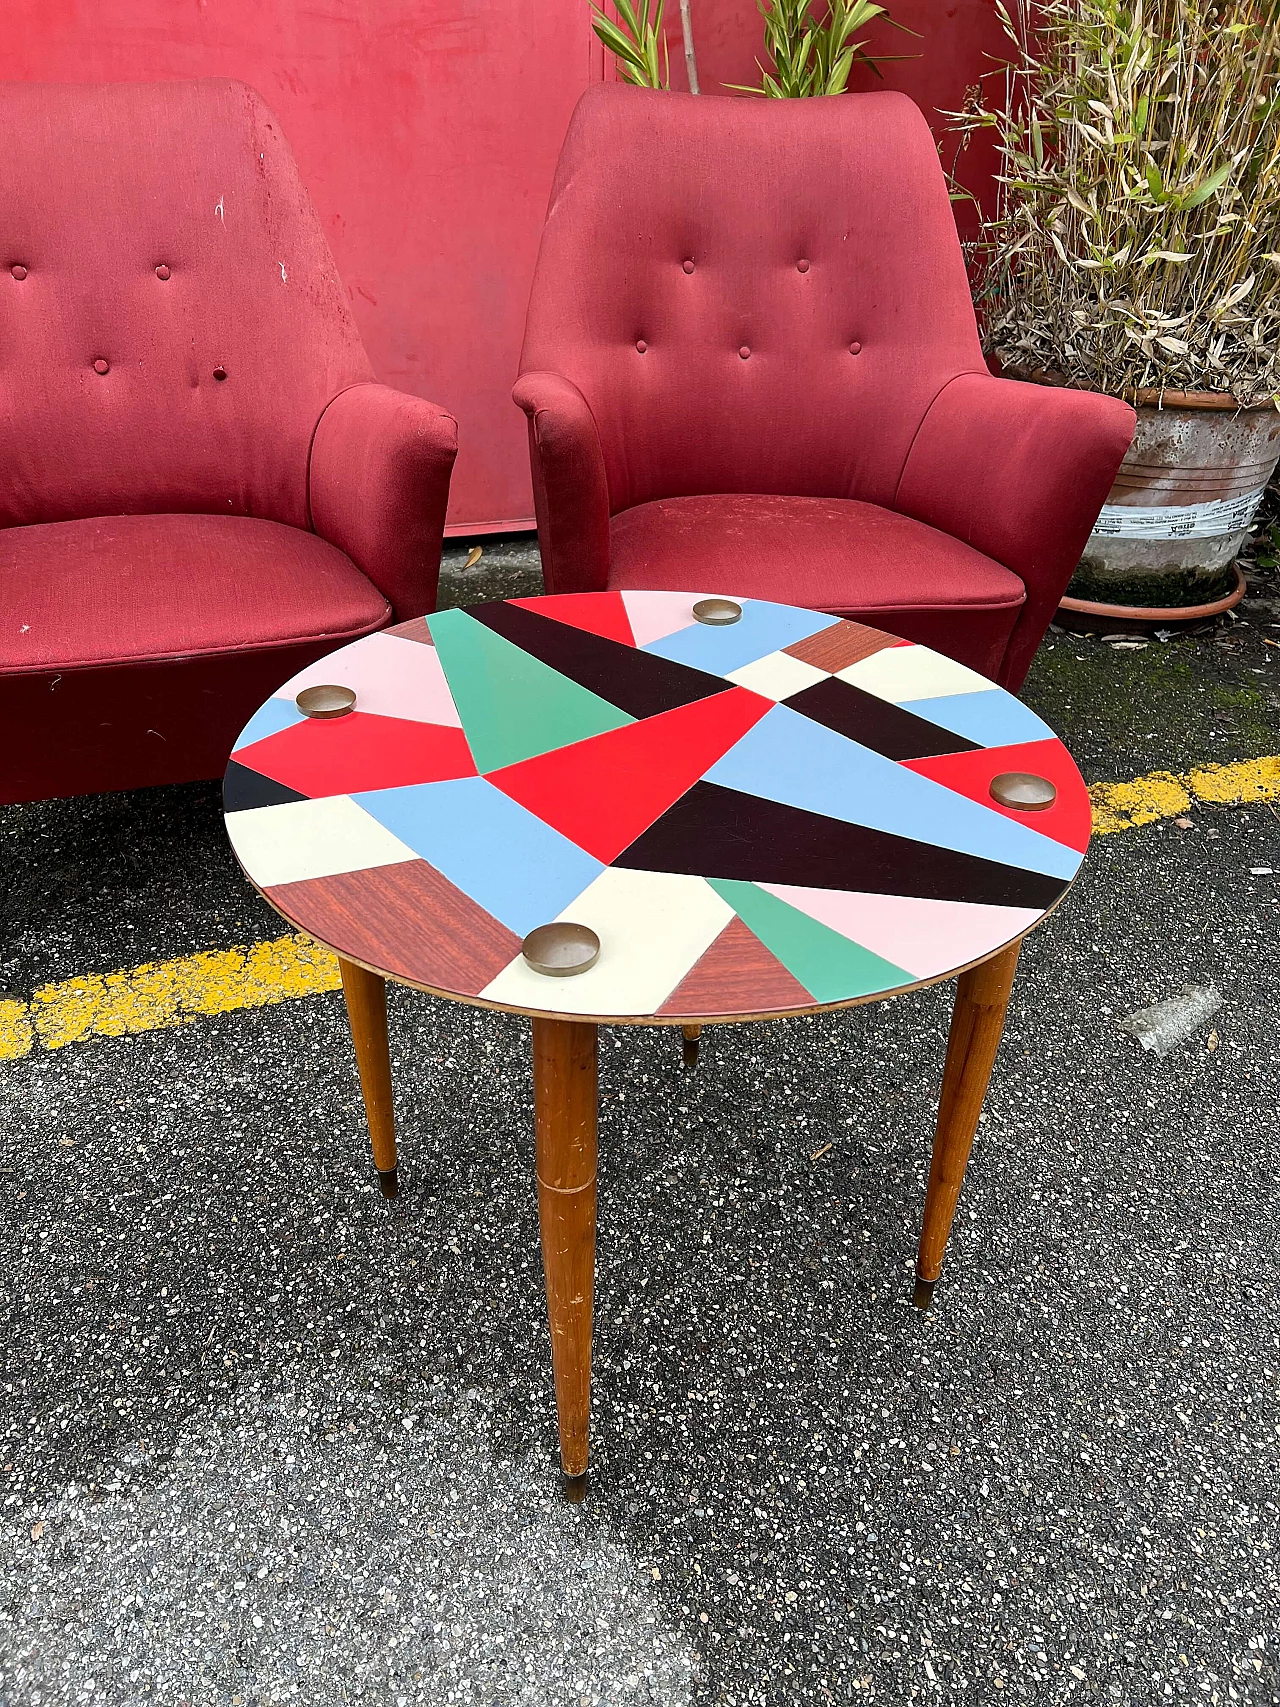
pixel 690 1052
pixel 388 1179
pixel 574 1488
pixel 922 1297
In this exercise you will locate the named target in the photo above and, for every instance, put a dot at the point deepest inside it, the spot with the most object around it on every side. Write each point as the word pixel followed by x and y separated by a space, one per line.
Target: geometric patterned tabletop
pixel 788 813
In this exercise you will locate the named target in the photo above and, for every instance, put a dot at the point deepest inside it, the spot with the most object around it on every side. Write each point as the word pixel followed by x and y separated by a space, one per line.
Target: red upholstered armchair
pixel 751 366
pixel 201 487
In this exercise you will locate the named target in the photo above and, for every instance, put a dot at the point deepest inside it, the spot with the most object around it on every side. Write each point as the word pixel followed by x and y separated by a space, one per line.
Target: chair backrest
pixel 711 264
pixel 171 320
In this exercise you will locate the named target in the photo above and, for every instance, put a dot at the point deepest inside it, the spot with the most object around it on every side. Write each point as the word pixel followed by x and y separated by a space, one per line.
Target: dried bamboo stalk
pixel 1136 243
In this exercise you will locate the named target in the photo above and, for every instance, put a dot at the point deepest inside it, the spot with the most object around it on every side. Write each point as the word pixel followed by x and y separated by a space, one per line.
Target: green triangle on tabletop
pixel 826 963
pixel 512 706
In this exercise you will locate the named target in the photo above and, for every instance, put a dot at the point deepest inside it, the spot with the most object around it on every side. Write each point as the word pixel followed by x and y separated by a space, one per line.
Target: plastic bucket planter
pixel 1164 547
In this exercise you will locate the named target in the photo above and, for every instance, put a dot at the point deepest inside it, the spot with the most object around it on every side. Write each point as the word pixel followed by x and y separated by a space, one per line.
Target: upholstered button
pixel 19 272
pixel 641 345
pixel 162 272
pixel 688 266
pixel 855 347
pixel 101 367
pixel 745 351
pixel 219 373
pixel 802 266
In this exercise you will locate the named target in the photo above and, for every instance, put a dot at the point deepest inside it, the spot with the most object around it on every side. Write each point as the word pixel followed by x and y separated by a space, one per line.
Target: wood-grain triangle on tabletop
pixel 407 920
pixel 415 629
pixel 837 647
pixel 736 975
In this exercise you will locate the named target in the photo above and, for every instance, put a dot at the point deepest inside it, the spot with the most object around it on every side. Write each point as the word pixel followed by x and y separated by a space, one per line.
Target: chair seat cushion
pixel 830 554
pixel 133 589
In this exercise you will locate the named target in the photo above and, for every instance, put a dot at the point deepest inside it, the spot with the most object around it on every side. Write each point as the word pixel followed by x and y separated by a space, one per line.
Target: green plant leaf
pixel 634 41
pixel 1209 187
pixel 810 56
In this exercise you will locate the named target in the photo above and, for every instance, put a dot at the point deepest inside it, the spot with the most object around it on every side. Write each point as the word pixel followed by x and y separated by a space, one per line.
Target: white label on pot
pixel 1178 521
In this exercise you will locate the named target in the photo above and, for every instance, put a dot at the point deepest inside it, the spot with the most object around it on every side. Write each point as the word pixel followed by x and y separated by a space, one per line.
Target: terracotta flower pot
pixel 1181 506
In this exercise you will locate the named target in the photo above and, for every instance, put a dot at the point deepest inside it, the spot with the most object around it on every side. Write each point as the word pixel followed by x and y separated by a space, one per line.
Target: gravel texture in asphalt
pixel 266 1438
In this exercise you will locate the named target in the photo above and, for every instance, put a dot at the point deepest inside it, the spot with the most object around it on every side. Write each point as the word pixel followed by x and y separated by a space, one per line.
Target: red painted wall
pixel 427 132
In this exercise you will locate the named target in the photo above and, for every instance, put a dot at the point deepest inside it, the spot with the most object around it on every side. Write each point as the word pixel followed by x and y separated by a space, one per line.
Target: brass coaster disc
pixel 561 950
pixel 327 700
pixel 717 613
pixel 1024 792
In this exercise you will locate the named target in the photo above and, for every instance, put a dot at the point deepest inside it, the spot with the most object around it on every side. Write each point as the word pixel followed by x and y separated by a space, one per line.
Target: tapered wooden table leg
pixel 977 1022
pixel 564 1102
pixel 692 1035
pixel 366 995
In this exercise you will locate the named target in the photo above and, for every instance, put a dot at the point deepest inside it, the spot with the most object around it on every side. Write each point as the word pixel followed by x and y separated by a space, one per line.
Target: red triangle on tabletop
pixel 347 755
pixel 736 975
pixel 598 613
pixel 1068 820
pixel 605 791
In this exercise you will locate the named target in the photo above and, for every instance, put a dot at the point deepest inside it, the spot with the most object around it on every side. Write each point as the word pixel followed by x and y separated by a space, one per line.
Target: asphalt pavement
pixel 264 1437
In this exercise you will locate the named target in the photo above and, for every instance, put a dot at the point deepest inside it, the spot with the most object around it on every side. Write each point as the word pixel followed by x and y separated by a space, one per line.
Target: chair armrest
pixel 379 485
pixel 570 491
pixel 1020 473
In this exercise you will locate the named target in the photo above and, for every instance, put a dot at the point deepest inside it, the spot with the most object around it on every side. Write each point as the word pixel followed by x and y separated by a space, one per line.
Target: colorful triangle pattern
pixel 971 773
pixel 734 972
pixel 598 613
pixel 604 792
pixel 789 812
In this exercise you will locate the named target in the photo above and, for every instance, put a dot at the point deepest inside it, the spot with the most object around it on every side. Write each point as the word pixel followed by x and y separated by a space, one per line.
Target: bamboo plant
pixel 636 42
pixel 1136 240
pixel 811 56
pixel 808 55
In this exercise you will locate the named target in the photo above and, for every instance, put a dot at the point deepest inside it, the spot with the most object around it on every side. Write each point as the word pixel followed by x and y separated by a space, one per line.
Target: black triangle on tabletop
pixel 639 683
pixel 886 728
pixel 243 789
pixel 720 832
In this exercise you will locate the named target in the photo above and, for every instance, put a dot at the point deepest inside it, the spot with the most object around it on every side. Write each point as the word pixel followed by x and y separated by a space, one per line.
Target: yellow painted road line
pixel 16 1035
pixel 1147 799
pixel 176 992
pixel 166 993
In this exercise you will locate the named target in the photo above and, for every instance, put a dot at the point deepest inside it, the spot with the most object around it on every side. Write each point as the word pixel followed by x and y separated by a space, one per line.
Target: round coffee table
pixel 726 810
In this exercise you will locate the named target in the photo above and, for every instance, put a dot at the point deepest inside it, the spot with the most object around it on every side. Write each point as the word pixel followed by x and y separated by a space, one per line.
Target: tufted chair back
pixel 171 321
pixel 752 295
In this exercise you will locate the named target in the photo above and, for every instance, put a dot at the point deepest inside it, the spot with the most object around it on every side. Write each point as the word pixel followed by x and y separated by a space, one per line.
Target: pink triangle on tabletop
pixel 925 938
